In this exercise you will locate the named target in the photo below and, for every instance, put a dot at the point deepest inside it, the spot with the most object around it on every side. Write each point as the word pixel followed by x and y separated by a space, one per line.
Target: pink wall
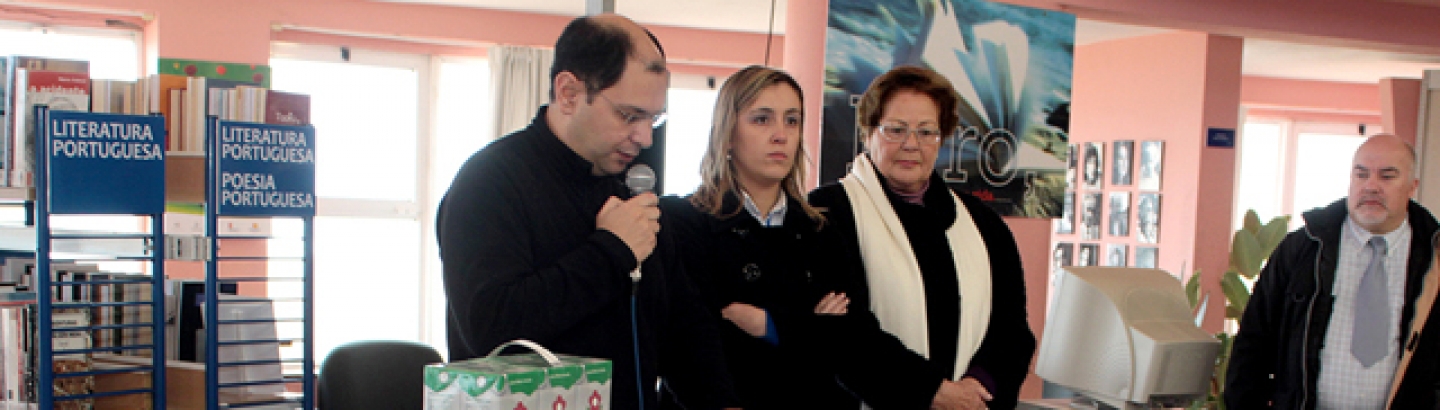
pixel 1309 95
pixel 805 60
pixel 1167 87
pixel 241 31
pixel 1400 98
pixel 1388 25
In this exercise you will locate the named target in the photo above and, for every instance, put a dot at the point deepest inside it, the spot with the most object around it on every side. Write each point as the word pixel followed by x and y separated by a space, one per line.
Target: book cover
pixel 61 91
pixel 257 74
pixel 9 98
pixel 284 108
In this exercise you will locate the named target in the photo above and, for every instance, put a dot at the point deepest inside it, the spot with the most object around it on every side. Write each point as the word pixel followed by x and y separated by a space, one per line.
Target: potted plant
pixel 1249 249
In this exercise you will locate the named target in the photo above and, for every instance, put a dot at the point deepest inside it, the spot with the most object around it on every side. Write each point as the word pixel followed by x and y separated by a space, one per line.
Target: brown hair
pixel 717 171
pixel 912 78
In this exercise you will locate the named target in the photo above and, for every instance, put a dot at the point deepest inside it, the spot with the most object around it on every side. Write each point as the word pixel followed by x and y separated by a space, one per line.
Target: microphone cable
pixel 635 336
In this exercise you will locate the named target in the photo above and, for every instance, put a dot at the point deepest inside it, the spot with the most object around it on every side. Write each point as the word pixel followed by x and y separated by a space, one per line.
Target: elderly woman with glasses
pixel 937 312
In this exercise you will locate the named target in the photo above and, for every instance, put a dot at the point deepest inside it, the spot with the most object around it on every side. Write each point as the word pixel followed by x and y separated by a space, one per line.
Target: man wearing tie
pixel 1333 322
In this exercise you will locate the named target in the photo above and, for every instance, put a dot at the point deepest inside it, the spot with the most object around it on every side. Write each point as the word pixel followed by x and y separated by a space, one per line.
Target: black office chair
pixel 375 375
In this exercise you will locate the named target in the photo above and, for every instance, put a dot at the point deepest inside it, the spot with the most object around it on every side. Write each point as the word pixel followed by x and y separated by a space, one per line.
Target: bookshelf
pixel 128 165
pixel 76 182
pixel 265 171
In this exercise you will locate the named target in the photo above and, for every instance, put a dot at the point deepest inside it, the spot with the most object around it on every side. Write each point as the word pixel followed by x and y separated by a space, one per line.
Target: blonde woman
pixel 746 236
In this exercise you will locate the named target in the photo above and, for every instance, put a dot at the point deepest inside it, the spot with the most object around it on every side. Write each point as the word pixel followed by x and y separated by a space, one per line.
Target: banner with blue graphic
pixel 263 169
pixel 103 163
pixel 1011 66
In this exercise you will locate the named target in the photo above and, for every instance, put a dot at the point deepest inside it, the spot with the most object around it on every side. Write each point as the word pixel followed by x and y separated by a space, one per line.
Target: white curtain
pixel 520 84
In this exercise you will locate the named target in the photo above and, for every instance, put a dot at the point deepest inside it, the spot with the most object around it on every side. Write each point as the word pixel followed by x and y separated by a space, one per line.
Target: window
pixel 1291 167
pixel 459 132
pixel 391 131
pixel 113 54
pixel 691 104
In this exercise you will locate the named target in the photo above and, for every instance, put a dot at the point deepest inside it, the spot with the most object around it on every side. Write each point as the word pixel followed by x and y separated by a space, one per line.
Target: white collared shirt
pixel 1345 383
pixel 774 218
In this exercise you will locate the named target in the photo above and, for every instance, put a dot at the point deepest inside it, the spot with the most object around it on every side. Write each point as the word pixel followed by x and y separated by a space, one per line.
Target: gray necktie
pixel 1370 341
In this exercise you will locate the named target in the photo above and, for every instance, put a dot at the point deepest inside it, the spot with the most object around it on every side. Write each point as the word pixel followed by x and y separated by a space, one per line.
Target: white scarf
pixel 897 291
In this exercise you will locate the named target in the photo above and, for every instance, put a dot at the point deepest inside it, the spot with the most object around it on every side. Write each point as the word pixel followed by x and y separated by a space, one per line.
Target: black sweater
pixel 883 372
pixel 734 259
pixel 523 259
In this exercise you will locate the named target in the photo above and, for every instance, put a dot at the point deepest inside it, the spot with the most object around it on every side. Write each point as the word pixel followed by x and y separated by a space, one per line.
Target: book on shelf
pixel 286 108
pixel 59 90
pixel 12 93
pixel 119 97
pixel 249 308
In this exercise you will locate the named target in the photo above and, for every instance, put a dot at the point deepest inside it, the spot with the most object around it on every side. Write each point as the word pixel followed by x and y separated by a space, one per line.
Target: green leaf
pixel 1236 293
pixel 1252 221
pixel 1246 255
pixel 1273 232
pixel 1192 290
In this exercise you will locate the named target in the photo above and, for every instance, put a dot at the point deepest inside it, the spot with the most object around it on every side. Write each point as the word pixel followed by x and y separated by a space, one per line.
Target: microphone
pixel 640 179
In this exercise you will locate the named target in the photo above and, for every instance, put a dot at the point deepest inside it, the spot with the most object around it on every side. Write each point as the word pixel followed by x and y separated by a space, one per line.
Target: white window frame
pixel 1290 130
pixel 425 67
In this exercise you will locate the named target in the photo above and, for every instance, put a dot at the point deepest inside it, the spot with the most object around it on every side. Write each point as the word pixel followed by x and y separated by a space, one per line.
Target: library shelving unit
pixel 259 171
pixel 97 164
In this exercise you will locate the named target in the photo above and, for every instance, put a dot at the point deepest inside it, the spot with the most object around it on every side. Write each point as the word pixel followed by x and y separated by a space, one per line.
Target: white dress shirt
pixel 1344 382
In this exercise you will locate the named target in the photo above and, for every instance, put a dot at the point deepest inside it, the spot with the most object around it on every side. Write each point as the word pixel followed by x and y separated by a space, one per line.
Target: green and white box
pixel 476 385
pixel 539 381
pixel 594 388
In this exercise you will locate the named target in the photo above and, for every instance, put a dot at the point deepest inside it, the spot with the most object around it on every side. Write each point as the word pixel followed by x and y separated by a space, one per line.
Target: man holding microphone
pixel 538 243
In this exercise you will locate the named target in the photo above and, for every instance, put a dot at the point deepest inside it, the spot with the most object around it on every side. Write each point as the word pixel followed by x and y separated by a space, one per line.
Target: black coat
pixel 734 259
pixel 1283 327
pixel 522 259
pixel 882 371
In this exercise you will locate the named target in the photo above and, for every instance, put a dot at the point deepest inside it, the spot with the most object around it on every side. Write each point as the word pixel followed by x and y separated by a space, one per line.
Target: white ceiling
pixel 1262 57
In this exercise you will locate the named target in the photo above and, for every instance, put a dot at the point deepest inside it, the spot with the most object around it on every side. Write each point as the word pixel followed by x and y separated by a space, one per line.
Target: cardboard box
pixel 519 382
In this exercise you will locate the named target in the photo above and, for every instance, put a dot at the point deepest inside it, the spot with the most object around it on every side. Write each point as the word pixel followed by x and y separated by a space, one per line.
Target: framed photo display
pixel 1120 214
pixel 1147 257
pixel 1065 224
pixel 1088 255
pixel 1115 254
pixel 1122 164
pixel 1148 211
pixel 1094 170
pixel 1152 163
pixel 1090 216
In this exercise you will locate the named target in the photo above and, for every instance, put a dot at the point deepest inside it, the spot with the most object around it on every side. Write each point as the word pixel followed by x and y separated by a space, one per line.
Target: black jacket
pixel 522 259
pixel 734 259
pixel 880 369
pixel 1284 325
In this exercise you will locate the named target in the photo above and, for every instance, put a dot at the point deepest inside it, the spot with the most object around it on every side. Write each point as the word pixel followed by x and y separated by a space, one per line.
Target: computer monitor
pixel 1125 337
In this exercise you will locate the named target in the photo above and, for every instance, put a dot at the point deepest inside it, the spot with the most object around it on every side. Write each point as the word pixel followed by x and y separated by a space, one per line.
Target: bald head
pixel 597 49
pixel 1388 143
pixel 1382 180
pixel 644 46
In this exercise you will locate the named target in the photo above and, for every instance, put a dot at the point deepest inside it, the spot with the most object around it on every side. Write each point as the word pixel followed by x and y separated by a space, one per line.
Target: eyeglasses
pixel 633 115
pixel 898 134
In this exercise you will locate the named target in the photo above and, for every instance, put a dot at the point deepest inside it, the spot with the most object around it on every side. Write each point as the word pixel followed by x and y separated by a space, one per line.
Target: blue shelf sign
pixel 111 163
pixel 264 169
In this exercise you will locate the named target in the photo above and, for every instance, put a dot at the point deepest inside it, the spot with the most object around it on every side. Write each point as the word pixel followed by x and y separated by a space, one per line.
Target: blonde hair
pixel 717 172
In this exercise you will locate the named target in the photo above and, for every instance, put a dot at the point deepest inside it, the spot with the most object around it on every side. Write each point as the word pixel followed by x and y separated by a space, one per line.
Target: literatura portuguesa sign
pixel 264 170
pixel 103 163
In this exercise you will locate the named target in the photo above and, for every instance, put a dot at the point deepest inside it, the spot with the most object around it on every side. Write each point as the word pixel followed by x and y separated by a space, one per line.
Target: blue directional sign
pixel 263 169
pixel 102 163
